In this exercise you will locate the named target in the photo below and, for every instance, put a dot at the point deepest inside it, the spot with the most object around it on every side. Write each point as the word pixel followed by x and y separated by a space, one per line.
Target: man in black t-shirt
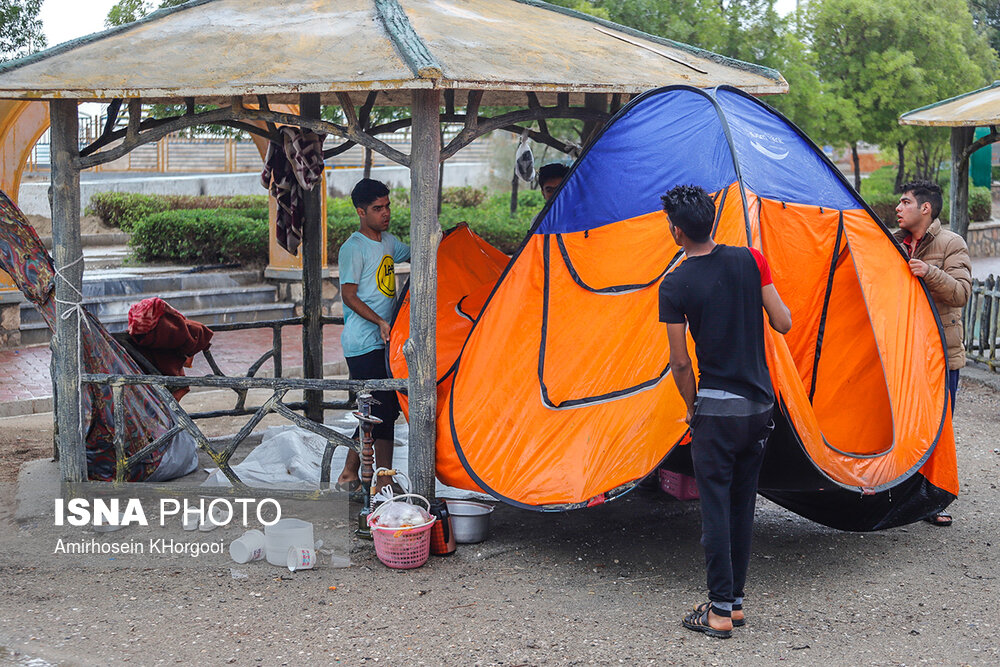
pixel 719 292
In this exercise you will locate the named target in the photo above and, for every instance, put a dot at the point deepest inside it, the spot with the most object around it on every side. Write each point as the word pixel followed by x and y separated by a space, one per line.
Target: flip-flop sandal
pixel 939 519
pixel 698 621
pixel 737 623
pixel 352 489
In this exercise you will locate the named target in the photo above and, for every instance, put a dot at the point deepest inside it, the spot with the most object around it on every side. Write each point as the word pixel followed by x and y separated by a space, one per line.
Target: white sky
pixel 66 19
pixel 780 6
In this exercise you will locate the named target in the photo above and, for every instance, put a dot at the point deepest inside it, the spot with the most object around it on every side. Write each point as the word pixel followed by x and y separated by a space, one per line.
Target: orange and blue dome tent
pixel 554 390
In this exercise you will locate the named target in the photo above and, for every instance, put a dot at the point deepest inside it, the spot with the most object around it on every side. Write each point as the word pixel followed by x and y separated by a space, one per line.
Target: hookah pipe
pixel 367 422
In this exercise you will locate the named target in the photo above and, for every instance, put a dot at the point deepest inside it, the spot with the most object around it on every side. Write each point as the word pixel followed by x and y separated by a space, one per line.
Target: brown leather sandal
pixel 698 621
pixel 939 519
pixel 737 623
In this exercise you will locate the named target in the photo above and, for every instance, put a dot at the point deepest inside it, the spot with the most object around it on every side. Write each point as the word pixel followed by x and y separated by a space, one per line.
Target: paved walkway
pixel 26 387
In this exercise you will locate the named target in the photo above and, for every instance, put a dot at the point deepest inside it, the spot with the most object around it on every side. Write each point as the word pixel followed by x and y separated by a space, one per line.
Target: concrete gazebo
pixel 963 114
pixel 444 59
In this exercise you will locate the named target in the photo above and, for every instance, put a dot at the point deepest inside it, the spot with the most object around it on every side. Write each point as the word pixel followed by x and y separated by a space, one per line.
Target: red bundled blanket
pixel 167 338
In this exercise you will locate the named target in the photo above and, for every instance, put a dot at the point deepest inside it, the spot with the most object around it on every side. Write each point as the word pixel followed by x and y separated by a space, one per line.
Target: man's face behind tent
pixel 911 215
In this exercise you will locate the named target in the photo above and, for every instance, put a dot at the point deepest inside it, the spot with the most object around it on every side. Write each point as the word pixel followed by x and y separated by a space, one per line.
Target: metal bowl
pixel 470 521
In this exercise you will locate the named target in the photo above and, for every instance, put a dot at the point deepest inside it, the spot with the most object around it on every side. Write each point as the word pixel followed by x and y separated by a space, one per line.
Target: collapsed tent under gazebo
pixel 445 60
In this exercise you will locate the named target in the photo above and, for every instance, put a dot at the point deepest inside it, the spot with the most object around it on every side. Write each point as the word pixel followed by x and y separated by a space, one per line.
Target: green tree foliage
pixel 885 57
pixel 20 28
pixel 986 17
pixel 127 11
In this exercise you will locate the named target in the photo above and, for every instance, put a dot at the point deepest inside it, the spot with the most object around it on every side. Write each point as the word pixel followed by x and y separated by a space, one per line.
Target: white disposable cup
pixel 190 522
pixel 249 547
pixel 287 532
pixel 301 558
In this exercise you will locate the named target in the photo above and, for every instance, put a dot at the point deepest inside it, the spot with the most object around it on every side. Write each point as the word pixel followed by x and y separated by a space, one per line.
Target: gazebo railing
pixel 981 318
pixel 272 354
pixel 275 404
pixel 161 385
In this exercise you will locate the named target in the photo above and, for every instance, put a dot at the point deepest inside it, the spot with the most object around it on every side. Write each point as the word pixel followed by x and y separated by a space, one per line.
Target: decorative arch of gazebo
pixel 446 60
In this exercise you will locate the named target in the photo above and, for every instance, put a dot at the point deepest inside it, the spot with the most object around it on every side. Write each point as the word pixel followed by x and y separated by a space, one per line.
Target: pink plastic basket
pixel 679 486
pixel 403 548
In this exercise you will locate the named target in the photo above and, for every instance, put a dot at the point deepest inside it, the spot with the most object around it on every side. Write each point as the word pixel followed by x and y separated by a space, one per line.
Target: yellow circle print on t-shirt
pixel 385 279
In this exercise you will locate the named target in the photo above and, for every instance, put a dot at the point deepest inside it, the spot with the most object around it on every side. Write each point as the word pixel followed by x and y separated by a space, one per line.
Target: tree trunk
pixel 597 102
pixel 440 184
pixel 901 167
pixel 961 138
pixel 425 234
pixel 368 162
pixel 513 195
pixel 856 161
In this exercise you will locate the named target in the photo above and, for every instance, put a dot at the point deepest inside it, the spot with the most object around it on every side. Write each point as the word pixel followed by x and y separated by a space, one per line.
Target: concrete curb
pixel 94 240
pixel 34 406
pixel 981 376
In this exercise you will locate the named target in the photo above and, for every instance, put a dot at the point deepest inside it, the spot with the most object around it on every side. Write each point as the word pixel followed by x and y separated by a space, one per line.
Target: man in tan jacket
pixel 941 258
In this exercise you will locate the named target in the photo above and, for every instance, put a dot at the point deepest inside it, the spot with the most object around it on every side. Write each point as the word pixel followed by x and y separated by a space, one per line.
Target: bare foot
pixel 719 622
pixel 347 480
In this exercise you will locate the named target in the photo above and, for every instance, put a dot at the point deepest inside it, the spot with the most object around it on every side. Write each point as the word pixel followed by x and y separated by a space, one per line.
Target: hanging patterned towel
pixel 289 168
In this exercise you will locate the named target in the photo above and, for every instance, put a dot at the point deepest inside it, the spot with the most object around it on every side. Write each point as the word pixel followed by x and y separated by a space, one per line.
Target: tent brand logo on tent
pixel 776 143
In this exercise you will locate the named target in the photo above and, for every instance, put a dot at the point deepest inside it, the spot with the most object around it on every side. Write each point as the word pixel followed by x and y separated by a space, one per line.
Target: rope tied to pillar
pixel 74 308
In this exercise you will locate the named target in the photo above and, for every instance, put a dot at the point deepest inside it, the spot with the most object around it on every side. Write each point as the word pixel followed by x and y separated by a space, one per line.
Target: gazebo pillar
pixel 425 234
pixel 68 256
pixel 312 278
pixel 958 192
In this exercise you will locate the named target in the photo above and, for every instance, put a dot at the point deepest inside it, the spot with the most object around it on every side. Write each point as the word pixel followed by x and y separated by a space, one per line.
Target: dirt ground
pixel 603 586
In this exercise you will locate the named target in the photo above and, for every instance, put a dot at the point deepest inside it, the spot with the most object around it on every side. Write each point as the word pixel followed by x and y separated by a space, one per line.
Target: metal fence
pixel 981 321
pixel 181 153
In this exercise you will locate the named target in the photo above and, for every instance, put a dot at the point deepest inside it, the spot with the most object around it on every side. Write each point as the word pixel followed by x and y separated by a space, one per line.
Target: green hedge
pixel 175 202
pixel 490 219
pixel 878 191
pixel 124 209
pixel 240 233
pixel 201 236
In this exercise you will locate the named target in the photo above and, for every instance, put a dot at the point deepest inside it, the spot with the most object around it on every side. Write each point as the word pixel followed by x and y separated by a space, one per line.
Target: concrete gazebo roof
pixel 963 113
pixel 213 50
pixel 978 108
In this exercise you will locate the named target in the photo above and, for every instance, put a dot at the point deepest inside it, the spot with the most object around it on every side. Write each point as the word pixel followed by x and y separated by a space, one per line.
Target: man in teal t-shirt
pixel 367 263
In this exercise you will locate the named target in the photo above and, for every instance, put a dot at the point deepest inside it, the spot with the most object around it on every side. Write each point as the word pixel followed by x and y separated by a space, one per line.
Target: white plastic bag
pixel 524 161
pixel 402 515
pixel 397 513
pixel 287 457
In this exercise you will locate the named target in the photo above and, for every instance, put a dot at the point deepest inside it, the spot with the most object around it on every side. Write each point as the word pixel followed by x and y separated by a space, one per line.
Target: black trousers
pixel 371 366
pixel 728 437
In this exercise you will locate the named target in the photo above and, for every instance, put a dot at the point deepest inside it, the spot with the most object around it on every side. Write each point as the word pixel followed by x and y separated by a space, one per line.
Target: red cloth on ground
pixel 167 338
